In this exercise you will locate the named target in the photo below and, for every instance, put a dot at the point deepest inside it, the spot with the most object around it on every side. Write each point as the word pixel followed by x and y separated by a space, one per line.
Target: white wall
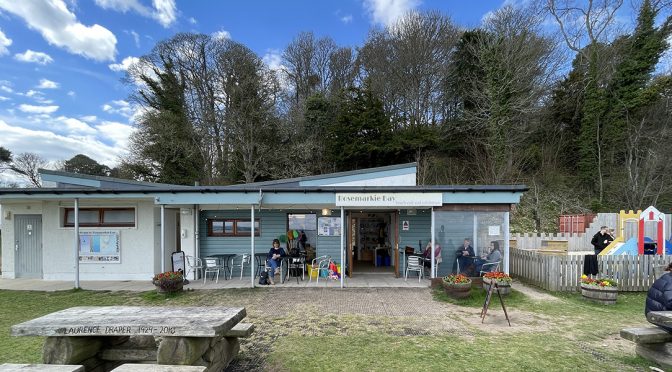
pixel 136 243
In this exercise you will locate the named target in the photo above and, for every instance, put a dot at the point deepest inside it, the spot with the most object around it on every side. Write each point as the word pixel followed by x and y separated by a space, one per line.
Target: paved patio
pixel 358 281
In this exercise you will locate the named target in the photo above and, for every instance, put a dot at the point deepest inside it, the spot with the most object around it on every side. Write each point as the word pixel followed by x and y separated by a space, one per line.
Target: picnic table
pixel 653 343
pixel 103 337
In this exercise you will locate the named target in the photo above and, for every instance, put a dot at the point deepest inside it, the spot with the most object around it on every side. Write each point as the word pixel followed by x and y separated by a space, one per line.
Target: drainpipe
pixel 506 242
pixel 252 266
pixel 197 248
pixel 163 238
pixel 433 274
pixel 76 243
pixel 343 228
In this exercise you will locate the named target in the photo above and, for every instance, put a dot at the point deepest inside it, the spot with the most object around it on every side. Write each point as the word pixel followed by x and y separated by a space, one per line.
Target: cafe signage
pixel 389 199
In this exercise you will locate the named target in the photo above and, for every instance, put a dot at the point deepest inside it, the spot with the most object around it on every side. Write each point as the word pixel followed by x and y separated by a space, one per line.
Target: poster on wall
pixel 99 247
pixel 329 226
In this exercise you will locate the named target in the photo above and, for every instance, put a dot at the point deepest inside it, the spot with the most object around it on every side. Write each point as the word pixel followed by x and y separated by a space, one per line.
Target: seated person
pixel 495 255
pixel 659 297
pixel 465 257
pixel 273 258
pixel 427 254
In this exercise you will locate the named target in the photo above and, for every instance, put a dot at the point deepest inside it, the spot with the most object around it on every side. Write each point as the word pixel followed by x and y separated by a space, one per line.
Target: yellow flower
pixel 584 276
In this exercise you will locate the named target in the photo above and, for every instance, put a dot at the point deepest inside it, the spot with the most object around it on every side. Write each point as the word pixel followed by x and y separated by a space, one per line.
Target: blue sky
pixel 61 61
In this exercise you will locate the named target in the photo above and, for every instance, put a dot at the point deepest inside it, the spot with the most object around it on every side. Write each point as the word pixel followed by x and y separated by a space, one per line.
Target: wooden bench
pixel 652 343
pixel 103 338
pixel 8 367
pixel 554 246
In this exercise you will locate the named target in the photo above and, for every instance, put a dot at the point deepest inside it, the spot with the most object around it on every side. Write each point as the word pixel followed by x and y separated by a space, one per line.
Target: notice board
pixel 99 247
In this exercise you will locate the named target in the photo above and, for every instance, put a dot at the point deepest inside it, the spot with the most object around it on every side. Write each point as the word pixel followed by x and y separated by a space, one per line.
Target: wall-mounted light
pixel 326 212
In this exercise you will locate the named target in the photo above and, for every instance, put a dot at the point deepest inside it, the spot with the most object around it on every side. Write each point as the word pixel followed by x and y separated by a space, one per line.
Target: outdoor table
pixel 224 260
pixel 104 337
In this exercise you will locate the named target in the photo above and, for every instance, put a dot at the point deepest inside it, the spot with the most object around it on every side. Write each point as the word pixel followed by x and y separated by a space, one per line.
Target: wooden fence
pixel 563 272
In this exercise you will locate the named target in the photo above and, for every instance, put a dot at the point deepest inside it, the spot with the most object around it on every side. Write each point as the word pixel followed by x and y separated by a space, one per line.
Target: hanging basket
pixel 600 295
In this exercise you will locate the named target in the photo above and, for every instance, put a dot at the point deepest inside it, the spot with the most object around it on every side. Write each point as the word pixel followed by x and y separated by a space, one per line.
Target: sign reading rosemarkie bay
pixel 389 199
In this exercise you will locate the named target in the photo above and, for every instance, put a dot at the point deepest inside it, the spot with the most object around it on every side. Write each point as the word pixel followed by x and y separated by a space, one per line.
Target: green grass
pixel 566 334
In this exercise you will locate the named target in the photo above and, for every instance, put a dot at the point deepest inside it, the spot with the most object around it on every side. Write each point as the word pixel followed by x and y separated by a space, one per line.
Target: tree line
pixel 494 104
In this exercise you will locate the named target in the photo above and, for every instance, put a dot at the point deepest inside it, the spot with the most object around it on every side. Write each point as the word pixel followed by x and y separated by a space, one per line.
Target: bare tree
pixel 27 165
pixel 407 63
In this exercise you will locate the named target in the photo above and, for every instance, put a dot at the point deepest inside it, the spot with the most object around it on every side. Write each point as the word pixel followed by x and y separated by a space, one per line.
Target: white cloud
pixel 346 19
pixel 59 26
pixel 89 118
pixel 32 93
pixel 71 94
pixel 47 84
pixel 222 34
pixel 193 20
pixel 53 146
pixel 2 98
pixel 136 38
pixel 386 12
pixel 124 65
pixel 6 86
pixel 120 107
pixel 72 125
pixel 38 109
pixel 164 11
pixel 273 59
pixel 117 132
pixel 4 43
pixel 34 57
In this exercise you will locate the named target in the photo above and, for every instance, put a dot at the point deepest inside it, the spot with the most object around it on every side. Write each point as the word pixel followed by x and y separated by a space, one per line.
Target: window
pixel 232 227
pixel 101 217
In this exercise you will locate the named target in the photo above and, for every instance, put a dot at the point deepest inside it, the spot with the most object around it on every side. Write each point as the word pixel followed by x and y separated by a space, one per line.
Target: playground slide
pixel 620 248
pixel 616 243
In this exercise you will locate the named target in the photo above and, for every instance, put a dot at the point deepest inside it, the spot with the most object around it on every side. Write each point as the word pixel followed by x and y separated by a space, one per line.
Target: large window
pixel 100 217
pixel 232 227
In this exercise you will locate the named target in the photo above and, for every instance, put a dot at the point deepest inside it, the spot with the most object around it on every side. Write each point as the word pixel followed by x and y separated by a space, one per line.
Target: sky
pixel 62 61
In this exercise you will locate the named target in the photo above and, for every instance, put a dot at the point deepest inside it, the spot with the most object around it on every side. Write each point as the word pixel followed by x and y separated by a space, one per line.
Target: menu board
pixel 99 247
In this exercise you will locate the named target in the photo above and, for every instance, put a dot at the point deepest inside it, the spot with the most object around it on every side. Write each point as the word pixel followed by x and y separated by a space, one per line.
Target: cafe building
pixel 101 228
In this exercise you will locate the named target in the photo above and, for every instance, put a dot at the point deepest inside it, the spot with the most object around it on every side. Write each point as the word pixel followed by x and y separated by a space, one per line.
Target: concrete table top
pixel 133 320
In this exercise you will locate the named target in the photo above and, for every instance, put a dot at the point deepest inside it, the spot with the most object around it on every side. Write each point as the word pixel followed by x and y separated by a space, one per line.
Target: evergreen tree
pixel 164 147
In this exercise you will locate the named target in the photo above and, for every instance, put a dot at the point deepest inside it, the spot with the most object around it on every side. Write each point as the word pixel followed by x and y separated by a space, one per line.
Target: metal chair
pixel 294 264
pixel 489 267
pixel 211 266
pixel 194 264
pixel 414 264
pixel 320 264
pixel 245 259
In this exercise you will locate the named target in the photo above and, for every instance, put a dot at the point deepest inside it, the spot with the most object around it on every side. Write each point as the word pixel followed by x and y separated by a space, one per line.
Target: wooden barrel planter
pixel 601 295
pixel 504 287
pixel 174 287
pixel 457 290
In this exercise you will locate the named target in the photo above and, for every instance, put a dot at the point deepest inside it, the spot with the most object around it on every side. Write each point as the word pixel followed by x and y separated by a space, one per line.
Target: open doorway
pixel 372 242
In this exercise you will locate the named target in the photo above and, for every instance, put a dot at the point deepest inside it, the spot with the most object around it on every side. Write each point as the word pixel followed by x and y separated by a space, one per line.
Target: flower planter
pixel 601 295
pixel 504 286
pixel 172 288
pixel 457 290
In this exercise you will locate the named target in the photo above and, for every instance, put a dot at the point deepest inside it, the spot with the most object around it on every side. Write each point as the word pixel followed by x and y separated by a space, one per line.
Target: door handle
pixel 16 247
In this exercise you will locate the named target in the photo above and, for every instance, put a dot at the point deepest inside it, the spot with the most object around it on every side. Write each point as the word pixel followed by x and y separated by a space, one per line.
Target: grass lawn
pixel 358 330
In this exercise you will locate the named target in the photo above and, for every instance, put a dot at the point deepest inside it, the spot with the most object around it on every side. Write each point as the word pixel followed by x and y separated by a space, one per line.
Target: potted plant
pixel 602 291
pixel 168 282
pixel 503 281
pixel 457 285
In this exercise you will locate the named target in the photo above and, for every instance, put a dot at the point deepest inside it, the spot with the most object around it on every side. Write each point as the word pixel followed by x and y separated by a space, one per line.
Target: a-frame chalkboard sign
pixel 491 288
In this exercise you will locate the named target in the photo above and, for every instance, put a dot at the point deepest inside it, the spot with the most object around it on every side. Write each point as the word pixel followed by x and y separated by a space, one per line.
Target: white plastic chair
pixel 319 264
pixel 245 259
pixel 414 264
pixel 194 264
pixel 211 266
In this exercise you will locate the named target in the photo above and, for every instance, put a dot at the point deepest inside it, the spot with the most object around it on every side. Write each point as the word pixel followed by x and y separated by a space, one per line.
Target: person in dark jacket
pixel 273 259
pixel 659 297
pixel 600 241
pixel 465 258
